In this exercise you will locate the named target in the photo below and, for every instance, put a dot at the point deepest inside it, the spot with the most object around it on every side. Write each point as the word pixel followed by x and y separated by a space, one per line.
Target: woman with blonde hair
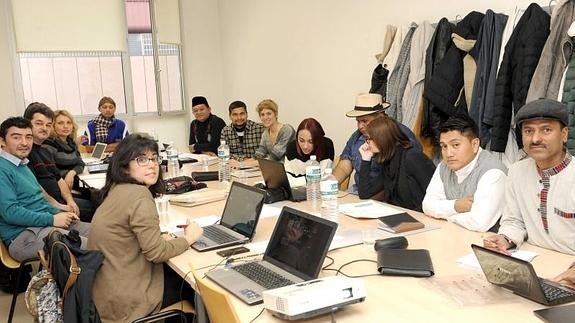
pixel 63 147
pixel 276 136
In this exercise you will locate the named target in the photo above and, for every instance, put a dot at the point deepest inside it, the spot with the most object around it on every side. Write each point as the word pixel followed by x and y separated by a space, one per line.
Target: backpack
pixel 43 297
pixel 62 291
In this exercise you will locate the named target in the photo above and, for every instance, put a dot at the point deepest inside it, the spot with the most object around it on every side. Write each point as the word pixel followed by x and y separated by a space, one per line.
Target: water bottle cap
pixel 223 142
pixel 312 157
pixel 327 170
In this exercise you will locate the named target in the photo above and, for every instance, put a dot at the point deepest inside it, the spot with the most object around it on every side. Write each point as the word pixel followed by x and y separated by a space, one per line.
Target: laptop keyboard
pixel 262 275
pixel 216 235
pixel 553 293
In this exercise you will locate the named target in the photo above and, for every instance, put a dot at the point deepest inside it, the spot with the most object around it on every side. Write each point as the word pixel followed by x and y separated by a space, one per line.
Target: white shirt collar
pixel 465 170
pixel 13 159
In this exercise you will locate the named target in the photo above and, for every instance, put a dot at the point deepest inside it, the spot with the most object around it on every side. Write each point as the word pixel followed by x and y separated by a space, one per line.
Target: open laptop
pixel 239 219
pixel 275 177
pixel 295 253
pixel 519 277
pixel 97 154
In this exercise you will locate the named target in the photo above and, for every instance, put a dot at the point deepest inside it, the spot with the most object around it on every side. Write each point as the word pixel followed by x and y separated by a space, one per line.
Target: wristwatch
pixel 509 241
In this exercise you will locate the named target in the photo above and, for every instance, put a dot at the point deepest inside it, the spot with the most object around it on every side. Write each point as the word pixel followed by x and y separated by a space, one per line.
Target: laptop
pixel 239 219
pixel 97 154
pixel 519 277
pixel 275 177
pixel 294 254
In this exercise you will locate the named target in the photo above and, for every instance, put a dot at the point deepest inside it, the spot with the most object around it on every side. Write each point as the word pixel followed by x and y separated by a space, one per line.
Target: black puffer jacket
pixel 520 59
pixel 440 42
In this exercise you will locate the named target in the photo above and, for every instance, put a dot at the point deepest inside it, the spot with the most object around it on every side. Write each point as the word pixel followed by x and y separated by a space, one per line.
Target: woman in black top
pixel 406 171
pixel 310 140
pixel 64 149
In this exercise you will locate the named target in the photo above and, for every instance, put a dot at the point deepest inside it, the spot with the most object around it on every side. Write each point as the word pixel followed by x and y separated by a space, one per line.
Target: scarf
pixel 102 126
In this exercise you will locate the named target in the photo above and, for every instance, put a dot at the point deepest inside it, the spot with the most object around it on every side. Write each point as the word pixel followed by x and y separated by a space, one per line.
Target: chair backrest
pixel 6 259
pixel 344 185
pixel 217 302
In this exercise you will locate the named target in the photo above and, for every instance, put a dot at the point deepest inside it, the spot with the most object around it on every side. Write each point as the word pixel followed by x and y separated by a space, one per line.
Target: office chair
pixel 11 263
pixel 175 310
pixel 217 302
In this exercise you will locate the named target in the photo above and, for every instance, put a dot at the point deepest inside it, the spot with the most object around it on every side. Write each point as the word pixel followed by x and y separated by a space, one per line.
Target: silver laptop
pixel 275 177
pixel 519 277
pixel 295 253
pixel 97 154
pixel 239 219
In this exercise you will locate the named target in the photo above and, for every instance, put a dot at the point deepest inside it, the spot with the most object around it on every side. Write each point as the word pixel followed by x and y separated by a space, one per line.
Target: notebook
pixel 275 177
pixel 295 253
pixel 398 223
pixel 239 219
pixel 97 154
pixel 519 277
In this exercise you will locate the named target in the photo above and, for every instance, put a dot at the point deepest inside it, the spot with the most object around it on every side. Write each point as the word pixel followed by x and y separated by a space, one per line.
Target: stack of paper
pixel 367 210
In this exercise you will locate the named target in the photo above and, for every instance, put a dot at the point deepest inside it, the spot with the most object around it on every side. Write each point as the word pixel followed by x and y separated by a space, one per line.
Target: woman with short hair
pixel 276 136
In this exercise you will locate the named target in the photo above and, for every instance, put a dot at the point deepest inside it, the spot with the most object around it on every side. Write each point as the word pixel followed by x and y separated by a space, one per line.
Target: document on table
pixel 367 210
pixel 269 211
pixel 471 261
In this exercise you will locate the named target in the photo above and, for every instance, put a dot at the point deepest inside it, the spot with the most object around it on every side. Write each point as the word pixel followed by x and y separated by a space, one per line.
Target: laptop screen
pixel 514 274
pixel 300 242
pixel 99 149
pixel 242 209
pixel 274 174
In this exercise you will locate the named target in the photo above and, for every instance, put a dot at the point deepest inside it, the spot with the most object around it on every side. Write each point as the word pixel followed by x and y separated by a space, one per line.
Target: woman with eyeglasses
pixel 134 280
pixel 406 171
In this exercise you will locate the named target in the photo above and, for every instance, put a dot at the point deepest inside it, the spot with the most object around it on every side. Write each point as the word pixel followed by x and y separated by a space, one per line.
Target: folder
pixel 404 262
pixel 398 223
pixel 205 176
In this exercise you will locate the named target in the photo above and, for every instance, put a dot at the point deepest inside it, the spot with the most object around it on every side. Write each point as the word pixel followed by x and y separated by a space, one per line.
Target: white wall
pixel 313 57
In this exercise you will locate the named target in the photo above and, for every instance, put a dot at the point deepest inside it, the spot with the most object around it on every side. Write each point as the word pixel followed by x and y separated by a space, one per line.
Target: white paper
pixel 471 261
pixel 258 247
pixel 367 210
pixel 269 211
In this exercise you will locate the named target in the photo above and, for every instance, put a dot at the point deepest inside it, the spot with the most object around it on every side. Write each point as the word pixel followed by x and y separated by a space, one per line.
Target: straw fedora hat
pixel 367 103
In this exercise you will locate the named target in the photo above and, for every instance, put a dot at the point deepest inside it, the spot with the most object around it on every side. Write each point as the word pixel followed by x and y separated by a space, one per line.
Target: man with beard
pixel 242 135
pixel 43 166
pixel 539 195
pixel 27 213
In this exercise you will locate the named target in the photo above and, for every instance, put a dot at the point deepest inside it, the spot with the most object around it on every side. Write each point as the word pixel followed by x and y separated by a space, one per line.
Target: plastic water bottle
pixel 328 188
pixel 313 177
pixel 173 168
pixel 224 156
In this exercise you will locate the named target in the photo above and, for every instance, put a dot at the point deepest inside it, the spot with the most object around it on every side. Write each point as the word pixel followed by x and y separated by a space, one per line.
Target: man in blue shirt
pixel 368 106
pixel 27 213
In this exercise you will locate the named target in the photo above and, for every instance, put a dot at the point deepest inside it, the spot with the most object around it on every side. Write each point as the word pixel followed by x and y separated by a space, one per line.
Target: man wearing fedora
pixel 539 195
pixel 368 106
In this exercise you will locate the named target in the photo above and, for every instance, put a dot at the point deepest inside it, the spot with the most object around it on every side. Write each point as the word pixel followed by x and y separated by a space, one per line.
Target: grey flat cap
pixel 543 109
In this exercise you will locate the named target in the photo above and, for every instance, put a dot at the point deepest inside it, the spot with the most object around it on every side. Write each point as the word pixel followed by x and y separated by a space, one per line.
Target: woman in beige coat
pixel 134 281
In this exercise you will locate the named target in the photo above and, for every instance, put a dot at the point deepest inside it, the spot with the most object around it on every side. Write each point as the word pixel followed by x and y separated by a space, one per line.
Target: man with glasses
pixel 368 106
pixel 43 166
pixel 27 213
pixel 206 129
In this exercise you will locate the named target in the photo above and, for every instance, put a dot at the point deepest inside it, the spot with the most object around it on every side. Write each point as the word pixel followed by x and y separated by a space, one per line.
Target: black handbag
pixel 182 184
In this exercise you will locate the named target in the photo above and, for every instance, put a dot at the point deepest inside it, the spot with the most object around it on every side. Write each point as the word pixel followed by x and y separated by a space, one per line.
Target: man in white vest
pixel 468 186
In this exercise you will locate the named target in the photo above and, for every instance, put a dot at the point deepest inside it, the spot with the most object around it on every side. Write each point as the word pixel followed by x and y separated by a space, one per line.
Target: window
pixel 76 79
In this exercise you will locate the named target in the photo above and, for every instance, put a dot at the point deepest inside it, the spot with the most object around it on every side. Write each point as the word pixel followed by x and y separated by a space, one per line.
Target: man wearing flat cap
pixel 539 195
pixel 368 106
pixel 205 129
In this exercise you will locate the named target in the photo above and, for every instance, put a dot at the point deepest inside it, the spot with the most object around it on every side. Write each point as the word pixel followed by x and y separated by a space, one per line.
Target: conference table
pixel 455 293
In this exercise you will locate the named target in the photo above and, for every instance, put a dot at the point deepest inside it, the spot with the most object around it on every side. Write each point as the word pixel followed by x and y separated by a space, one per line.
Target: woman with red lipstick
pixel 134 280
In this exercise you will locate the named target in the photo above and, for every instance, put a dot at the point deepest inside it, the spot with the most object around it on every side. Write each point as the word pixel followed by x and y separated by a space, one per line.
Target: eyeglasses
pixel 145 161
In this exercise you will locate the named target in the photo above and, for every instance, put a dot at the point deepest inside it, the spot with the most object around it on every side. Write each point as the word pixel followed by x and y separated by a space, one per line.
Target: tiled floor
pixel 21 315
